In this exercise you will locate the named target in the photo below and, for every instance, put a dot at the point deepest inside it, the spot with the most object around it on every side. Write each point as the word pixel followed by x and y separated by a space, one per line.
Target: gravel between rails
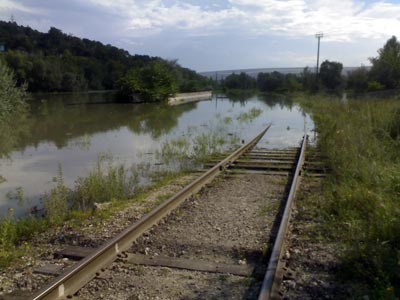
pixel 228 222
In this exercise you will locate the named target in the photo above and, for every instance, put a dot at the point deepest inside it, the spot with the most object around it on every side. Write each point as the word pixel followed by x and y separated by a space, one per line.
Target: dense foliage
pixel 55 61
pixel 239 81
pixel 13 107
pixel 277 82
pixel 386 67
pixel 358 80
pixel 361 140
pixel 384 73
pixel 12 98
pixel 152 82
pixel 331 74
pixel 265 82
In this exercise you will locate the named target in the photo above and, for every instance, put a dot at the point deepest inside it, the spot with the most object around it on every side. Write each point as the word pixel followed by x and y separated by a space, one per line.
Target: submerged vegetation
pixel 197 145
pixel 361 140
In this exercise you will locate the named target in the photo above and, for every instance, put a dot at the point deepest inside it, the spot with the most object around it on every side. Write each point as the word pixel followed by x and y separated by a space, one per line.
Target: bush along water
pixel 362 140
pixel 13 110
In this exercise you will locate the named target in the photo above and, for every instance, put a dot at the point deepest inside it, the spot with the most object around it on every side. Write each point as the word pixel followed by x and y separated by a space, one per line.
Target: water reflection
pixel 274 99
pixel 61 119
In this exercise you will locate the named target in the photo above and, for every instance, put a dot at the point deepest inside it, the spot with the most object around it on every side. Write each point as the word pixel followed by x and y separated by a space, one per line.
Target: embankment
pixel 189 97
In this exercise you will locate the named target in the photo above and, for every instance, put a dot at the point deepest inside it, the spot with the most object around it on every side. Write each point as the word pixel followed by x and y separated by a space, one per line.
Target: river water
pixel 70 131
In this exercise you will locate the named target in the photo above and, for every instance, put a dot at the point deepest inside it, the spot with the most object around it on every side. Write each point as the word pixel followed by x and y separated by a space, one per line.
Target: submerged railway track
pixel 220 237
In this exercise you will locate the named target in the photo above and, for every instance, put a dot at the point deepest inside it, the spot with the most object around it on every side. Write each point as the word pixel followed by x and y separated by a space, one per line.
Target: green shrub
pixel 12 98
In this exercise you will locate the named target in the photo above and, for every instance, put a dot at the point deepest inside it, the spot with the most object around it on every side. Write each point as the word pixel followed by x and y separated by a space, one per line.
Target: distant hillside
pixel 55 61
pixel 254 72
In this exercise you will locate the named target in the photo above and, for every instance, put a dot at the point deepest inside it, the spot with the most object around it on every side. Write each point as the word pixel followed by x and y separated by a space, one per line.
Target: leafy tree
pixel 357 80
pixel 386 67
pixel 308 79
pixel 292 83
pixel 331 74
pixel 12 98
pixel 190 81
pixel 153 82
pixel 240 81
pixel 271 82
pixel 13 111
pixel 56 62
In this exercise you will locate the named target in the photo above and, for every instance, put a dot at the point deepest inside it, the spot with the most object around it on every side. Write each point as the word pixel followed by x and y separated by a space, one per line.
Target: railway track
pixel 221 236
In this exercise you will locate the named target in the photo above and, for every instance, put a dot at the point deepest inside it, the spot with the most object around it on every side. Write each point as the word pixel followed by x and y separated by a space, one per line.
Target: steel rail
pixel 269 288
pixel 68 283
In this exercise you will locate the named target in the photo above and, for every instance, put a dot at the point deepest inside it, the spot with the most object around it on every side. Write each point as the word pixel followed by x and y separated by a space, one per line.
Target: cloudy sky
pixel 210 35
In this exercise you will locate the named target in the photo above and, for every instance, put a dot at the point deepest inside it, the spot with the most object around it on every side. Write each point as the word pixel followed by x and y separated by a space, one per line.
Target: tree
pixel 307 79
pixel 331 74
pixel 153 82
pixel 240 82
pixel 12 98
pixel 55 61
pixel 292 82
pixel 13 110
pixel 386 67
pixel 271 82
pixel 357 80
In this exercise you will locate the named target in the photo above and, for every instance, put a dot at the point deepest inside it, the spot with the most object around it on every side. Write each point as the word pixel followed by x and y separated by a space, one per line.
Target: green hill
pixel 58 62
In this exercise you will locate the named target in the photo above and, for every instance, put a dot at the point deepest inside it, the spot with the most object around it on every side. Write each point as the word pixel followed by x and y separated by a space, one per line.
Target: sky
pixel 207 35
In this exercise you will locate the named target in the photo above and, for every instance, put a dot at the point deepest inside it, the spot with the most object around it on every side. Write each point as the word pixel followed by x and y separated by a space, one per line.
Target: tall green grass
pixel 362 142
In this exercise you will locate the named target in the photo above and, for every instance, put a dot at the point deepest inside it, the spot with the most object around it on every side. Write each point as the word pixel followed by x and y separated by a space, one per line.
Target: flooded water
pixel 72 130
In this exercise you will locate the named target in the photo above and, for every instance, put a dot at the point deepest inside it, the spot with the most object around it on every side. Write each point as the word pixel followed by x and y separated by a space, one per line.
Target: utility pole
pixel 318 36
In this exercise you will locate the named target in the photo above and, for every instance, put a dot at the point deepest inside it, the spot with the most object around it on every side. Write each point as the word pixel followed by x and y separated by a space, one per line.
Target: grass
pixel 361 140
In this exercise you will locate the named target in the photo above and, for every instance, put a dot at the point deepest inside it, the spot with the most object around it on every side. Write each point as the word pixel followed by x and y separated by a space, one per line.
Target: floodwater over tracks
pixel 70 131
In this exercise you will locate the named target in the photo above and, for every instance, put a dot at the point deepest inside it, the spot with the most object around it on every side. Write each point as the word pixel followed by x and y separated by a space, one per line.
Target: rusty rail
pixel 77 276
pixel 270 286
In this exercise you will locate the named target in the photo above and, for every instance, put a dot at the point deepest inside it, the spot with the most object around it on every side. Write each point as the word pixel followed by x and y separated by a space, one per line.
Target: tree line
pixel 384 73
pixel 59 62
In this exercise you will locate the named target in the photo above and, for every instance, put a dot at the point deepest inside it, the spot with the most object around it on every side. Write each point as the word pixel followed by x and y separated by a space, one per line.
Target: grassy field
pixel 361 139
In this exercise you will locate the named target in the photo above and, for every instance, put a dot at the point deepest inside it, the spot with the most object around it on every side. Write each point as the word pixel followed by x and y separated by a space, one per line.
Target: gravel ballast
pixel 228 222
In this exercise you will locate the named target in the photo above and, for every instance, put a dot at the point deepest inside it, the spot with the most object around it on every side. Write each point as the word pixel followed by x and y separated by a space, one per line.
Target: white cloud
pixel 223 27
pixel 340 20
pixel 10 7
